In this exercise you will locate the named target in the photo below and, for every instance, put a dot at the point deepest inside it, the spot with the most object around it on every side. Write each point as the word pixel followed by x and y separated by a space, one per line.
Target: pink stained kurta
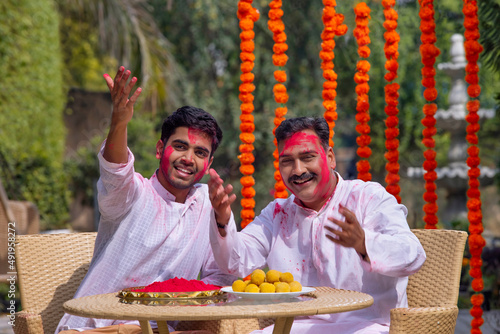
pixel 289 237
pixel 145 236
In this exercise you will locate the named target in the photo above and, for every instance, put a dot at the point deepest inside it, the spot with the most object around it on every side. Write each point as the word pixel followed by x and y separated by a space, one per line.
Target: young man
pixel 330 232
pixel 150 229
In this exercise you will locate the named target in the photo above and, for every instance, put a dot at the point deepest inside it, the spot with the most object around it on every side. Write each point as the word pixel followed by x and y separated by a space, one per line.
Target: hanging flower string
pixel 277 27
pixel 429 52
pixel 332 27
pixel 391 98
pixel 476 241
pixel 361 33
pixel 247 15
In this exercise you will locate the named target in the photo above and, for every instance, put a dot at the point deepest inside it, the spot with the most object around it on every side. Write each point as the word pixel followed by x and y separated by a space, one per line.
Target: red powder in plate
pixel 178 285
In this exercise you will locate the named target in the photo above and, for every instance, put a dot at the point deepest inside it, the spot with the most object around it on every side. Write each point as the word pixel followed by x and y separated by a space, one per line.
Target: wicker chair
pixel 50 268
pixel 433 290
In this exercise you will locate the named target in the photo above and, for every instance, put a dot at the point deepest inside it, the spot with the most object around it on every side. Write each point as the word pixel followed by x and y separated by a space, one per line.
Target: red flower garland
pixel 247 16
pixel 429 52
pixel 361 33
pixel 276 25
pixel 391 98
pixel 332 27
pixel 476 241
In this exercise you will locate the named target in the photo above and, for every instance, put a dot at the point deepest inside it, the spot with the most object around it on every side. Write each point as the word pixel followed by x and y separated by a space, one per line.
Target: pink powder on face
pixel 165 159
pixel 200 174
pixel 301 138
pixel 178 285
pixel 194 138
pixel 298 139
pixel 325 172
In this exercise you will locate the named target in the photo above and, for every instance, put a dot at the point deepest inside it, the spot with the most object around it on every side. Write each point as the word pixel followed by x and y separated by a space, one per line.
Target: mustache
pixel 303 176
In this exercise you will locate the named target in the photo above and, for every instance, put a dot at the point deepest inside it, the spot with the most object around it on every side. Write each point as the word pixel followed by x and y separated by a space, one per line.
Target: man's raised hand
pixel 221 197
pixel 115 149
pixel 123 106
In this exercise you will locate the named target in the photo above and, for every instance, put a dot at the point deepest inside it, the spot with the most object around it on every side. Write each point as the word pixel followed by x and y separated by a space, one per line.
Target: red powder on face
pixel 178 285
pixel 298 139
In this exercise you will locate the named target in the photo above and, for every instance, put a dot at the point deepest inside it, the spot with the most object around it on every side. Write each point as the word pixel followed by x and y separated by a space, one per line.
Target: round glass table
pixel 322 301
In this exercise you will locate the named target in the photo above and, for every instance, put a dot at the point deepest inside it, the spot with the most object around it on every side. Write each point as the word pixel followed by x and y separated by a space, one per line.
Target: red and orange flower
pixel 247 16
pixel 429 52
pixel 333 26
pixel 476 241
pixel 361 33
pixel 277 27
pixel 391 98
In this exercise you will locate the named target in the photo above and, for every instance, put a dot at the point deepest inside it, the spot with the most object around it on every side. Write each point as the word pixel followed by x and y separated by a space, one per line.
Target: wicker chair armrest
pixel 28 323
pixel 424 320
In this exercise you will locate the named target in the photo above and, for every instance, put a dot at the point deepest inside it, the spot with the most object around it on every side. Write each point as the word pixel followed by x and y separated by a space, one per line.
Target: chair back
pixel 437 282
pixel 6 221
pixel 50 268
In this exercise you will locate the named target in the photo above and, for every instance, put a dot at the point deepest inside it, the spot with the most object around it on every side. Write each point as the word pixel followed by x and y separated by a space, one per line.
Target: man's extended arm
pixel 115 149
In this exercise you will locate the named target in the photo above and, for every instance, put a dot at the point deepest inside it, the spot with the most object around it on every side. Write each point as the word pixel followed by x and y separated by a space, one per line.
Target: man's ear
pixel 209 164
pixel 159 149
pixel 331 158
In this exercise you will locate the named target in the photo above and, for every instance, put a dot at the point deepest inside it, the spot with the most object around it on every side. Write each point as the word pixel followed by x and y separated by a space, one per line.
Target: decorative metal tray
pixel 128 296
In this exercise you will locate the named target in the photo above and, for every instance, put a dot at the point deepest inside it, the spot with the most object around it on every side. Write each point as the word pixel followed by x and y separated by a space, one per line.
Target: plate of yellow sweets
pixel 270 285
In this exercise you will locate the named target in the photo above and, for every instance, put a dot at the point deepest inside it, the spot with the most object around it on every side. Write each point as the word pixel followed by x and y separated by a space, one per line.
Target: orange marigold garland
pixel 277 27
pixel 247 15
pixel 333 26
pixel 429 52
pixel 361 33
pixel 391 98
pixel 476 241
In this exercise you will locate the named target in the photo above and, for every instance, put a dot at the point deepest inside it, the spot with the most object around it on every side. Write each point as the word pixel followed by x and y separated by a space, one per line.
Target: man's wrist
pixel 222 226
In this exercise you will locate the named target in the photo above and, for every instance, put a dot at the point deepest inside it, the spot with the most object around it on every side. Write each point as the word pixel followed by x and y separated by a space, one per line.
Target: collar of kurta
pixel 168 196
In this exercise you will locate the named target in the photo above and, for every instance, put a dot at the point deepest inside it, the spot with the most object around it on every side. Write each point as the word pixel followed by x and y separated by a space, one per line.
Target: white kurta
pixel 145 236
pixel 289 237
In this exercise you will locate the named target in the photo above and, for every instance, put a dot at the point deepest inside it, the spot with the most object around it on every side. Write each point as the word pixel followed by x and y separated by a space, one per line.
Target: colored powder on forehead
pixel 298 139
pixel 178 285
pixel 195 136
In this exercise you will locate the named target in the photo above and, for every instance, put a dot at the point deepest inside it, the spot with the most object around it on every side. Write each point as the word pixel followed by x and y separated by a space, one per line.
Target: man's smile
pixel 184 170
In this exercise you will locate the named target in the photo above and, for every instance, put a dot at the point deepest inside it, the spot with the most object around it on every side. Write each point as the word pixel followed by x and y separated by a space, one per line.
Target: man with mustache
pixel 150 229
pixel 330 232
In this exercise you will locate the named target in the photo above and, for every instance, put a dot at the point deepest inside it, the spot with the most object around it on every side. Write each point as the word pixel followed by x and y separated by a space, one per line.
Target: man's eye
pixel 202 154
pixel 308 158
pixel 285 161
pixel 179 147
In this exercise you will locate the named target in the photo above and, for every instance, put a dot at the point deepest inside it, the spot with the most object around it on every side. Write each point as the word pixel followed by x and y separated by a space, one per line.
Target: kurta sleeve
pixel 239 253
pixel 392 248
pixel 117 189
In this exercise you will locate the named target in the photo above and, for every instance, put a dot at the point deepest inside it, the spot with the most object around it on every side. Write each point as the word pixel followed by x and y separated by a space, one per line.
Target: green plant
pixel 31 127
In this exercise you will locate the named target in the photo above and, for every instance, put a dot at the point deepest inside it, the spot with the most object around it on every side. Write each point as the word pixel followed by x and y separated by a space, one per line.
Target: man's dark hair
pixel 193 118
pixel 293 125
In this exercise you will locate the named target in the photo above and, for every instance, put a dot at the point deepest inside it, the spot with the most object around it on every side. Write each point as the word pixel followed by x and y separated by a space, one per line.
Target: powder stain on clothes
pixel 283 222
